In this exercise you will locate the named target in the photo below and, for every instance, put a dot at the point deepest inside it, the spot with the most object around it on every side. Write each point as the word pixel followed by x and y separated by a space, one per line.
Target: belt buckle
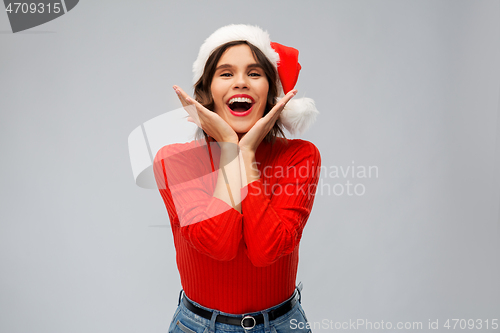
pixel 248 327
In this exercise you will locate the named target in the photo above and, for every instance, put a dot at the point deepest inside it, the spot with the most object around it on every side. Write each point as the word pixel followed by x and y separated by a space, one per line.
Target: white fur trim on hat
pixel 299 113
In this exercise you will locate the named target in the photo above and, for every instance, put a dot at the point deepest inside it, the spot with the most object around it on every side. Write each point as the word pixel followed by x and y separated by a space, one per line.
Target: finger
pixel 193 115
pixel 275 112
pixel 187 99
pixel 288 97
pixel 280 106
pixel 191 120
pixel 190 105
pixel 181 95
pixel 181 99
pixel 283 101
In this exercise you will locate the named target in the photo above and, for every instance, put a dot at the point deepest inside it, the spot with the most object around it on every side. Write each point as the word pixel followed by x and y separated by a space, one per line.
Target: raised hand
pixel 252 139
pixel 209 121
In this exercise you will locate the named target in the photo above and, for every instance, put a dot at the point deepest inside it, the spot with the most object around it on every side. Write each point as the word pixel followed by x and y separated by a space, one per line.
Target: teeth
pixel 240 99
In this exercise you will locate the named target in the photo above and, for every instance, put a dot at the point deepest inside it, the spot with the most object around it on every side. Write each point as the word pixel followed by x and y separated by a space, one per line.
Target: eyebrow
pixel 224 66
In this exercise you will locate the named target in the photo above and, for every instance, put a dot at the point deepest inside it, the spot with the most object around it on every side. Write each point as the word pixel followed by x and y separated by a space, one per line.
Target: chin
pixel 241 128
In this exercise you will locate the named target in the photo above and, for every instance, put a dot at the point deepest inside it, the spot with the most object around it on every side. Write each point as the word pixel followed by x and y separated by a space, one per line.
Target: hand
pixel 252 139
pixel 209 121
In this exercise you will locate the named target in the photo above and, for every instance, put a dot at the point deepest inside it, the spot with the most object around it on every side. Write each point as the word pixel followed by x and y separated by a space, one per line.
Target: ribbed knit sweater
pixel 230 261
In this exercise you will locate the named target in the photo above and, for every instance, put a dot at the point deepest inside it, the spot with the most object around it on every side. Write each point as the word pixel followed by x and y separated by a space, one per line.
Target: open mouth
pixel 240 105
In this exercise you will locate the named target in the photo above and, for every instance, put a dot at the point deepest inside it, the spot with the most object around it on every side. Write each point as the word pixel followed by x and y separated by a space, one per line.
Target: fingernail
pixel 188 100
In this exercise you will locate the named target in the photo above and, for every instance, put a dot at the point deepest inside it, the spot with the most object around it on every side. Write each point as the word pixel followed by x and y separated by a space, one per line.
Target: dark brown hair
pixel 203 93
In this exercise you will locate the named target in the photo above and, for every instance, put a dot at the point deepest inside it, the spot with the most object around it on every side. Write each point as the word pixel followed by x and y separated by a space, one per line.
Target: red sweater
pixel 232 262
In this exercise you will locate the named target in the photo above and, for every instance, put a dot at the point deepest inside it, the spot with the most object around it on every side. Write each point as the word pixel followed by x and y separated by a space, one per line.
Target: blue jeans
pixel 294 321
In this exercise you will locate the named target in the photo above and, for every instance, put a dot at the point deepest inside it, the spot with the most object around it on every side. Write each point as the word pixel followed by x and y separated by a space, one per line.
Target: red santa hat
pixel 299 113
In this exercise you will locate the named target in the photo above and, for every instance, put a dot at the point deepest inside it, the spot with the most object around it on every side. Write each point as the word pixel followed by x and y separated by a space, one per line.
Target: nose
pixel 240 81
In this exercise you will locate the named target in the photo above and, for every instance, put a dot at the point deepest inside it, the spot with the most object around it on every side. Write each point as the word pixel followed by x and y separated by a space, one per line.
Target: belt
pixel 246 321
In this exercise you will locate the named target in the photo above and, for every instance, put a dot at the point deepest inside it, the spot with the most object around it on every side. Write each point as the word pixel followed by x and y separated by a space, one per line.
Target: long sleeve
pixel 186 183
pixel 275 215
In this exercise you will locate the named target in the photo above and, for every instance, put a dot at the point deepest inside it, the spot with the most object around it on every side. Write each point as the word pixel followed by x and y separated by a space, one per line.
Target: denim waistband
pixel 215 313
pixel 298 290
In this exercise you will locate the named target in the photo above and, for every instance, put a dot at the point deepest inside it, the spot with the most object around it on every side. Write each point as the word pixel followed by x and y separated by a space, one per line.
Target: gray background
pixel 411 87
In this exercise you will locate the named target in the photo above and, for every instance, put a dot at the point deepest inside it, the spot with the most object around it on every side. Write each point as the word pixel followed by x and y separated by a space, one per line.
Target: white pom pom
pixel 298 115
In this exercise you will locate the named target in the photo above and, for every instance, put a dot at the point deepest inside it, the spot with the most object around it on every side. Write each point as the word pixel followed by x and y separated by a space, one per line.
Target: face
pixel 239 88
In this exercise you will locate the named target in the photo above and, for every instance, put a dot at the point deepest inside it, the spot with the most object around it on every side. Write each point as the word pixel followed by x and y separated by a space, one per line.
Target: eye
pixel 226 74
pixel 255 74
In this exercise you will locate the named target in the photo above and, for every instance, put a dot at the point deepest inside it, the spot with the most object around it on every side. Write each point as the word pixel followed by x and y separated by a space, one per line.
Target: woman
pixel 239 195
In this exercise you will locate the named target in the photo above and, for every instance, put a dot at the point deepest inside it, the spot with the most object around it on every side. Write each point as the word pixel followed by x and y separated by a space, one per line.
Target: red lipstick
pixel 243 113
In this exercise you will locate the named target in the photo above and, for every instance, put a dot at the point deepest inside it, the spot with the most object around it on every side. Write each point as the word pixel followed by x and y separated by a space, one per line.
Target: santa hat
pixel 299 113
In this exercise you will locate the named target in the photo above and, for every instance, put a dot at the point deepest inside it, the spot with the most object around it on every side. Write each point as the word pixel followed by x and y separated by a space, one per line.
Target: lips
pixel 240 105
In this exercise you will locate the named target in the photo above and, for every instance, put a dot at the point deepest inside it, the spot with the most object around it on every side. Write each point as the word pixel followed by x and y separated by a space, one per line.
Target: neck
pixel 240 135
